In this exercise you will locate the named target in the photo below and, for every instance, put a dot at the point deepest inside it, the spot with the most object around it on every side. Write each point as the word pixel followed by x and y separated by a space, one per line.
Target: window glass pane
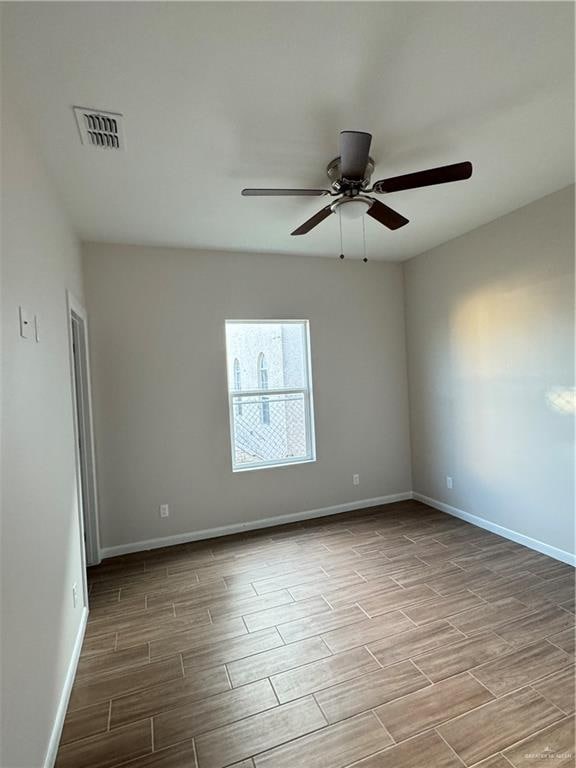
pixel 282 437
pixel 283 346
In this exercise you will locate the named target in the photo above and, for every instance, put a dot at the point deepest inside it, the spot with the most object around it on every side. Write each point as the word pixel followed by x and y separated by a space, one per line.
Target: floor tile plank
pixel 226 607
pixel 498 725
pixel 134 620
pixel 442 607
pixel 559 688
pixel 517 669
pixel 460 656
pixel 372 588
pixel 368 691
pixel 336 746
pixel 277 660
pixel 287 580
pixel 321 586
pixel 106 687
pixel 432 706
pixel 313 677
pixel 160 698
pixel 425 751
pixel 113 661
pixel 367 631
pixel 258 733
pixel 535 626
pixel 487 616
pixel 207 714
pixel 414 642
pixel 107 749
pixel 232 649
pixel 285 613
pixel 320 624
pixel 383 602
pixel 85 722
pixel 198 637
pixel 565 640
pixel 100 644
pixel 182 755
pixel 552 746
pixel 171 626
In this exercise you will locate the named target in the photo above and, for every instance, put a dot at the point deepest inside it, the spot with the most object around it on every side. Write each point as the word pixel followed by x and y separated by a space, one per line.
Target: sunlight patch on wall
pixel 493 332
pixel 562 399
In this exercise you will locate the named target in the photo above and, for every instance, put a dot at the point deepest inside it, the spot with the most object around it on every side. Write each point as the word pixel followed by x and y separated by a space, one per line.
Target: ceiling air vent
pixel 100 129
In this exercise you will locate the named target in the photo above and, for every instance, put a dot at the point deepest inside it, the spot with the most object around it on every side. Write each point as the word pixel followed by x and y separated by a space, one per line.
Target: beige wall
pixel 40 556
pixel 159 385
pixel 490 334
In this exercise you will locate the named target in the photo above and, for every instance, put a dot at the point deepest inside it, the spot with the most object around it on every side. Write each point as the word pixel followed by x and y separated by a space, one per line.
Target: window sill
pixel 279 465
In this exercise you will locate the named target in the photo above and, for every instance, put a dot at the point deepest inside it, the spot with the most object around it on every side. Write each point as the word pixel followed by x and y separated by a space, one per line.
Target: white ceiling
pixel 218 96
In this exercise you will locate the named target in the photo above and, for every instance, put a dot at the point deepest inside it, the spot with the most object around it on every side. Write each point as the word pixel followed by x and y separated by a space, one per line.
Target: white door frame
pixel 83 428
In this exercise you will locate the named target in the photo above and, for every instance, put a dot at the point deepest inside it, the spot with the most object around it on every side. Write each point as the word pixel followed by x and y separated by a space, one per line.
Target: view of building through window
pixel 270 392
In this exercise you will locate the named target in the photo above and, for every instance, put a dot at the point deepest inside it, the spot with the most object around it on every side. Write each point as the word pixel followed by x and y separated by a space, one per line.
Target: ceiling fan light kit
pixel 350 175
pixel 352 207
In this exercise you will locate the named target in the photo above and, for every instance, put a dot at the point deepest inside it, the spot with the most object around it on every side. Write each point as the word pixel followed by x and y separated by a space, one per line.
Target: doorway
pixel 84 434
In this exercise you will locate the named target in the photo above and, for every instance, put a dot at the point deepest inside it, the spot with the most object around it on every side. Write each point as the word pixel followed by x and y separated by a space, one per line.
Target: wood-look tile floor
pixel 393 637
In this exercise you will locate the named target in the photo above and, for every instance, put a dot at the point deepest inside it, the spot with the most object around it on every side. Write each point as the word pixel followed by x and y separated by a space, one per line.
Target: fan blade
pixel 284 192
pixel 354 149
pixel 313 221
pixel 442 175
pixel 386 215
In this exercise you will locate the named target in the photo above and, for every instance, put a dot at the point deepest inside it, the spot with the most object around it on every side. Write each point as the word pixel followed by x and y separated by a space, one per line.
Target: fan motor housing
pixel 339 184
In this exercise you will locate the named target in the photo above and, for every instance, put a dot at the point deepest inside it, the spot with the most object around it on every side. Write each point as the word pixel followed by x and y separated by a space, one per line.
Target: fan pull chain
pixel 365 259
pixel 340 221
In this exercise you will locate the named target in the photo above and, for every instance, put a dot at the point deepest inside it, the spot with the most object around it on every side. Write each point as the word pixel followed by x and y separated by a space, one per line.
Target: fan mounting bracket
pixel 342 185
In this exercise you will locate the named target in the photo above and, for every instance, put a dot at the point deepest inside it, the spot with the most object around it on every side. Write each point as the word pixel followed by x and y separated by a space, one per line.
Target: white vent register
pixel 100 129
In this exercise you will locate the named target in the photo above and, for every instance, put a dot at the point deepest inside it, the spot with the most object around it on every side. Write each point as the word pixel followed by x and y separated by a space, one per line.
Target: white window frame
pixel 237 378
pixel 264 400
pixel 306 391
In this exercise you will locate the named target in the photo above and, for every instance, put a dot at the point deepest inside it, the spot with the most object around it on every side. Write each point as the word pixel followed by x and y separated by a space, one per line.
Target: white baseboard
pixel 54 742
pixel 507 533
pixel 252 525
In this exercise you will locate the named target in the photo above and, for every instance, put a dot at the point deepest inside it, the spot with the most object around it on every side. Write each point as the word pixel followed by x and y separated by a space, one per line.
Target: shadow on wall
pixel 61 644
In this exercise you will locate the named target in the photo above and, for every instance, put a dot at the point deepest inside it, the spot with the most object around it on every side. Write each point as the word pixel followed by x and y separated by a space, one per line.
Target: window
pixel 271 413
pixel 238 385
pixel 263 384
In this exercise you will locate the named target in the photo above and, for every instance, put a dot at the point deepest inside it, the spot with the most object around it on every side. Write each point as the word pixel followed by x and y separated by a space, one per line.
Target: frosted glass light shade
pixel 353 209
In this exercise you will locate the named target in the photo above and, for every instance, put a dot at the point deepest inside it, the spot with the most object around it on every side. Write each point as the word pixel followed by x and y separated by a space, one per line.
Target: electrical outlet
pixel 356 479
pixel 164 510
pixel 75 594
pixel 449 483
pixel 25 323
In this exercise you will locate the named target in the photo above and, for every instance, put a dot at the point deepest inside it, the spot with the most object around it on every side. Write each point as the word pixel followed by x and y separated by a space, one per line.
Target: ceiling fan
pixel 350 176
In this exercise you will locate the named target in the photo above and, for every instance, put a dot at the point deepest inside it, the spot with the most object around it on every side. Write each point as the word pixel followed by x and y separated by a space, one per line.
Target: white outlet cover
pixel 24 323
pixel 164 510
